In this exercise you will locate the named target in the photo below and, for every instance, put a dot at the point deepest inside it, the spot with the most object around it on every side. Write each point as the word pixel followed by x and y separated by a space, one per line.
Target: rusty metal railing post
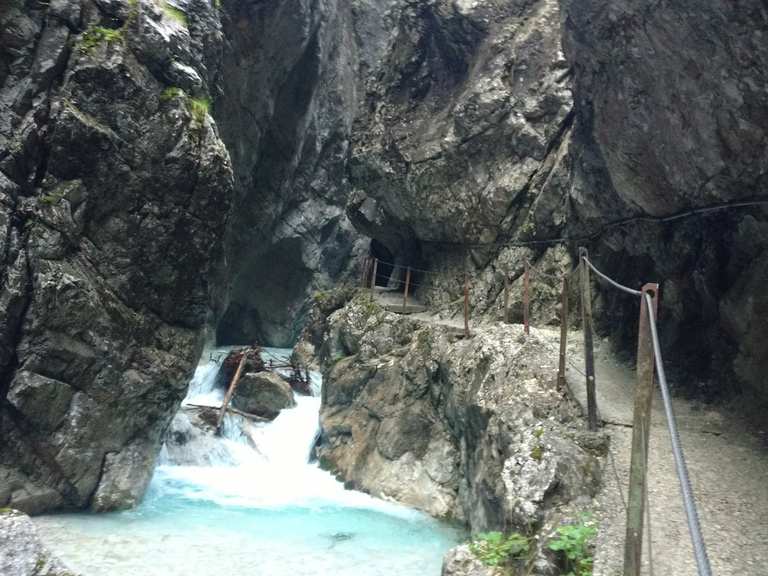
pixel 526 298
pixel 641 427
pixel 563 333
pixel 364 275
pixel 506 299
pixel 589 352
pixel 466 305
pixel 407 285
pixel 373 274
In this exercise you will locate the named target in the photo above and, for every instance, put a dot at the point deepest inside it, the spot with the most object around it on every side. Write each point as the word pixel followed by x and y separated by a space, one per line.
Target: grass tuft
pixel 170 93
pixel 175 14
pixel 199 107
pixel 98 34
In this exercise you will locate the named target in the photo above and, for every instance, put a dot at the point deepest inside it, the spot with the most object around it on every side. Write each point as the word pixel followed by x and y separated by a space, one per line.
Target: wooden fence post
pixel 641 427
pixel 589 352
pixel 526 298
pixel 563 333
pixel 506 299
pixel 466 305
pixel 407 285
pixel 373 275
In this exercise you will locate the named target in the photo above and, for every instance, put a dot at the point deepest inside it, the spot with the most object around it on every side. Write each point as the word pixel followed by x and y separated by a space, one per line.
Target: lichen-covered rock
pixel 263 394
pixel 22 553
pixel 475 429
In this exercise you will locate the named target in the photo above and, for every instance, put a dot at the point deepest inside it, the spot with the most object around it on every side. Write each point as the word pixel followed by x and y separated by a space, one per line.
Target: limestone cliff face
pixel 113 194
pixel 672 114
pixel 287 98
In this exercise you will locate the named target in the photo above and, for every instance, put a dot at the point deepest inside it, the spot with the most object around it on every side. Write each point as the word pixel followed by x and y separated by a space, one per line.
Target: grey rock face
pixel 670 115
pixel 112 200
pixel 288 98
pixel 471 429
pixel 263 394
pixel 467 115
pixel 21 551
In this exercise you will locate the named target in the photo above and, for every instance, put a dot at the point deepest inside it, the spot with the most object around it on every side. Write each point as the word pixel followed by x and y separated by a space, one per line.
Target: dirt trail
pixel 728 467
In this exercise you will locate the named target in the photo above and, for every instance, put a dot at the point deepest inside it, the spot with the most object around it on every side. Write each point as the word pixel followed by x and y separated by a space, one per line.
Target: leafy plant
pixel 175 14
pixel 574 542
pixel 537 452
pixel 170 93
pixel 98 34
pixel 495 549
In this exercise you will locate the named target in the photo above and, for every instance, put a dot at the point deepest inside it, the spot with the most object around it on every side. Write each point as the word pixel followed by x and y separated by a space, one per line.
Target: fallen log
pixel 231 409
pixel 231 391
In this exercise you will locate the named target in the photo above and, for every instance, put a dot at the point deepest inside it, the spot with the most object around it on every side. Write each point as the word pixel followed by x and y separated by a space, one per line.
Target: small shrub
pixel 537 452
pixel 574 542
pixel 98 34
pixel 170 93
pixel 175 14
pixel 198 107
pixel 50 199
pixel 495 549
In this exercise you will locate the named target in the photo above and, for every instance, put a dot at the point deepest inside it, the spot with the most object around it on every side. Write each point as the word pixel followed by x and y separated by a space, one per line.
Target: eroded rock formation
pixel 473 429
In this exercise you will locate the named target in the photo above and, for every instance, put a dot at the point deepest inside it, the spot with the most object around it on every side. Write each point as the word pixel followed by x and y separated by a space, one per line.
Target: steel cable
pixel 694 526
pixel 611 281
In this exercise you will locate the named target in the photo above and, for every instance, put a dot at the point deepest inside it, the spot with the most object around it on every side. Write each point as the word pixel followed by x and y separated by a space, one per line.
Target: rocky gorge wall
pixel 172 168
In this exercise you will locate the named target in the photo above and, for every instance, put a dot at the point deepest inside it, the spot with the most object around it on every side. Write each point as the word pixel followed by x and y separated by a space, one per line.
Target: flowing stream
pixel 250 503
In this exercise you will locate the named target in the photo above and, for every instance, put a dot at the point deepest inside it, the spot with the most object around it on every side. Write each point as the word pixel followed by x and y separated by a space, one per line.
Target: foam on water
pixel 264 509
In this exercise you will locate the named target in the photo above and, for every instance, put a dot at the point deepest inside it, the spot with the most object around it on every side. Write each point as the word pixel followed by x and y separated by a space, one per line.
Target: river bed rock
pixel 22 553
pixel 263 394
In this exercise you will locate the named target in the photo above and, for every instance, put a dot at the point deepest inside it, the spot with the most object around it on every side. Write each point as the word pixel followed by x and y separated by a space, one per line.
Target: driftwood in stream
pixel 231 410
pixel 231 390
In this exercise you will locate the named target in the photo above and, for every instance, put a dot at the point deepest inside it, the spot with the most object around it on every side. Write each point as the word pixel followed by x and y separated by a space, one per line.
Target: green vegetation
pixel 574 542
pixel 50 199
pixel 171 92
pixel 199 107
pixel 537 452
pixel 175 14
pixel 98 34
pixel 495 549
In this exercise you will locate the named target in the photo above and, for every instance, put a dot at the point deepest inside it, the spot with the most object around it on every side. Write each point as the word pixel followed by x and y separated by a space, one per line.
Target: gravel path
pixel 728 466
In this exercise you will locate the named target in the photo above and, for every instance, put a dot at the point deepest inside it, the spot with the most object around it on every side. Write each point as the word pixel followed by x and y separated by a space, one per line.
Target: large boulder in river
pixel 263 394
pixel 22 553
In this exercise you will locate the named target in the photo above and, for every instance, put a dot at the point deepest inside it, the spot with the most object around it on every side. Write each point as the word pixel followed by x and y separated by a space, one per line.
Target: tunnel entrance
pixel 386 262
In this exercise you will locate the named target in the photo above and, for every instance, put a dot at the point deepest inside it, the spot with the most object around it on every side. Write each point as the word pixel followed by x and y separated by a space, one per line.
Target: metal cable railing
pixel 648 299
pixel 694 526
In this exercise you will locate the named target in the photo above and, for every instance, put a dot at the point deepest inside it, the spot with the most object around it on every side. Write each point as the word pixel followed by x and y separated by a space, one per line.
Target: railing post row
pixel 589 353
pixel 641 427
